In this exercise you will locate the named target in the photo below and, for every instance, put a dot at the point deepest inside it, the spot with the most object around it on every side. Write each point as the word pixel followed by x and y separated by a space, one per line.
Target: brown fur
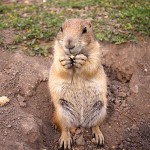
pixel 78 90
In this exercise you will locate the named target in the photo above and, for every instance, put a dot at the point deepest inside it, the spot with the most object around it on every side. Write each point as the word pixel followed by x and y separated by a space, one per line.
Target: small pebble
pixel 80 140
pixel 145 70
pixel 135 89
pixel 9 126
pixel 22 104
pixel 113 147
pixel 4 100
pixel 121 146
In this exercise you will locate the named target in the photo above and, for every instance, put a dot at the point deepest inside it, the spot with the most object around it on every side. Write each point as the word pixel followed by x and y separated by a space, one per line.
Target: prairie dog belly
pixel 81 105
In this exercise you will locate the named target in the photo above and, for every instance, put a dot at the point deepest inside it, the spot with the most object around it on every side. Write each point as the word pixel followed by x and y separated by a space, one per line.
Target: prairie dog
pixel 77 81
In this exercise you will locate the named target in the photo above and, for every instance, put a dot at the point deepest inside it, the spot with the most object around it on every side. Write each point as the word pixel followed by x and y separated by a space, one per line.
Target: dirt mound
pixel 25 122
pixel 130 63
pixel 23 81
pixel 124 59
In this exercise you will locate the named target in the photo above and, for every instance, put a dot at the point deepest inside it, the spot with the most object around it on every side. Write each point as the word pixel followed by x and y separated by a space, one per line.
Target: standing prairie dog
pixel 77 81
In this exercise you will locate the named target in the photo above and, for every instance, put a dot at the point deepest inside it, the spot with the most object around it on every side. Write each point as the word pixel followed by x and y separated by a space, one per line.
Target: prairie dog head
pixel 75 35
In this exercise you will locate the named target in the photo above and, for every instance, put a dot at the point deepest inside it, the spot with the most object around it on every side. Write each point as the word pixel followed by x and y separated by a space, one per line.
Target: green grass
pixel 74 3
pixel 116 21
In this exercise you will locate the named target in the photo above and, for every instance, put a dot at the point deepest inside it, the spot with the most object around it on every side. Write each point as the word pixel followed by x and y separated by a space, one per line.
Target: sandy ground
pixel 25 121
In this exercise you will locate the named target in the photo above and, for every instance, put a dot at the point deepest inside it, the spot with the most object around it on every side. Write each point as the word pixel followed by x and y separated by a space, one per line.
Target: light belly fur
pixel 80 104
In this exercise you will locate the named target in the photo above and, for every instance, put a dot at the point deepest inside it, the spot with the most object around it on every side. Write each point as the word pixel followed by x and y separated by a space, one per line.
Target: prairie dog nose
pixel 69 44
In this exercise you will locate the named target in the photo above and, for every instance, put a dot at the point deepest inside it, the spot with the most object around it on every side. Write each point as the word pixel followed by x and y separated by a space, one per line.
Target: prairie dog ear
pixel 88 21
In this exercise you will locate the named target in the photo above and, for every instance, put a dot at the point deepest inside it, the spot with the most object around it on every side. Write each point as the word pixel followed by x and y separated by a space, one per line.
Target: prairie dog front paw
pixel 65 62
pixel 79 60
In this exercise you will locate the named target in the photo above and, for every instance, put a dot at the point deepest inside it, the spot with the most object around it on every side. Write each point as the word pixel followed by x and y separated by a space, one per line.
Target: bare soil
pixel 25 122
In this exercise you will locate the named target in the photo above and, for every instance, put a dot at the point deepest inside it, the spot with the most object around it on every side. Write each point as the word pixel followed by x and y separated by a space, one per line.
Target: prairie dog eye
pixel 61 29
pixel 84 30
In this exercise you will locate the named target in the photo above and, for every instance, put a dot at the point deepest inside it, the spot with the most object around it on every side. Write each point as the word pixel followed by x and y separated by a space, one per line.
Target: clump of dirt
pixel 25 121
